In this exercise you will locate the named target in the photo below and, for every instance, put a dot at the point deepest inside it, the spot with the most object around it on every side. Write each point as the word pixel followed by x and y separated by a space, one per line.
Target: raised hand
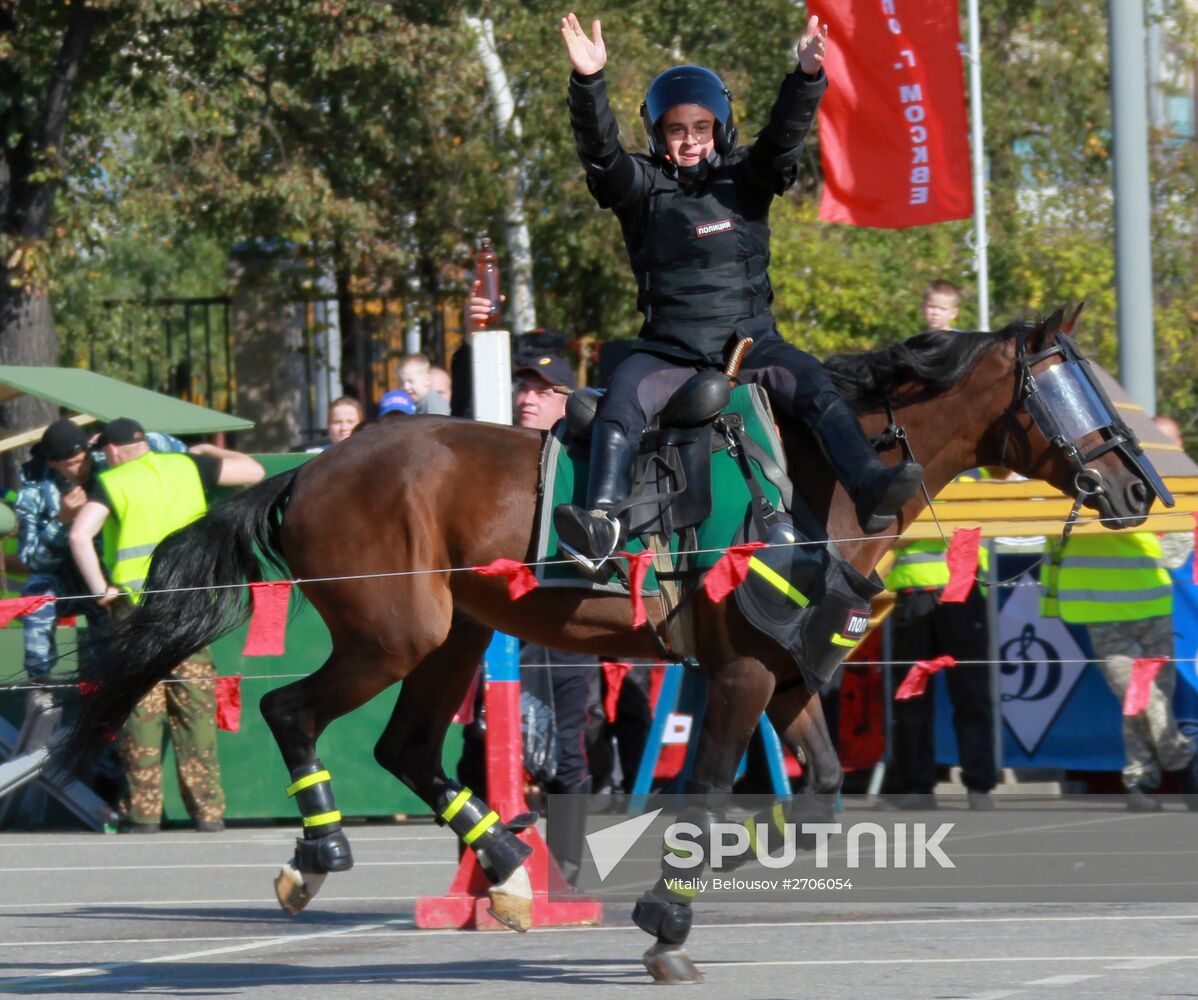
pixel 587 55
pixel 813 47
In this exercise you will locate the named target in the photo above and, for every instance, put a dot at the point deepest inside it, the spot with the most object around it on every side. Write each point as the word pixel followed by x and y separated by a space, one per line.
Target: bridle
pixel 1118 436
pixel 1031 395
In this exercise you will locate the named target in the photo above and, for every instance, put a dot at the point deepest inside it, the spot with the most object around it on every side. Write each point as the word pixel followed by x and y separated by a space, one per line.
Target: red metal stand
pixel 465 905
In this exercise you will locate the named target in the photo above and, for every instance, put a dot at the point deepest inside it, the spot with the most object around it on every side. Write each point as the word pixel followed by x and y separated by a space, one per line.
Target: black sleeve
pixel 774 159
pixel 97 492
pixel 615 179
pixel 209 470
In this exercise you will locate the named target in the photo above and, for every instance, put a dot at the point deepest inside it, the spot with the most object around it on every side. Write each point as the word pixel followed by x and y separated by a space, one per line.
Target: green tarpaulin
pixel 105 398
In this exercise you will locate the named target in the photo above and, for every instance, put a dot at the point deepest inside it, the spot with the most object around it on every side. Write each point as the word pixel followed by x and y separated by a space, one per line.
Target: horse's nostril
pixel 1138 493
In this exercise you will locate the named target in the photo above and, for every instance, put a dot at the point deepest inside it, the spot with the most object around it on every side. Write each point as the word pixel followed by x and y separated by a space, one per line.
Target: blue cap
pixel 396 401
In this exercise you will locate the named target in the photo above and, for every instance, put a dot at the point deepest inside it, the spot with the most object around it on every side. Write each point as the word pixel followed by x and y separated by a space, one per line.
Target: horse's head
pixel 1062 427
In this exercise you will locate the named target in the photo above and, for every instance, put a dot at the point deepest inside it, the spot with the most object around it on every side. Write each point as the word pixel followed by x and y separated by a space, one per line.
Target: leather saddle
pixel 671 472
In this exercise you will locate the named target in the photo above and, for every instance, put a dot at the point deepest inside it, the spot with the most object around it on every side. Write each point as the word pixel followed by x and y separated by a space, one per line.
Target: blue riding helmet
pixel 688 85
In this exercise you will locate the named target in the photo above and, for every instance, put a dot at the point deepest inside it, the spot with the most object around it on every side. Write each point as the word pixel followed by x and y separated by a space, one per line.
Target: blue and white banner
pixel 1062 714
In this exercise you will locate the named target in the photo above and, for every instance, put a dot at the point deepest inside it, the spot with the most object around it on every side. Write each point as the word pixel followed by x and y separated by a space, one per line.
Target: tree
pixel 43 52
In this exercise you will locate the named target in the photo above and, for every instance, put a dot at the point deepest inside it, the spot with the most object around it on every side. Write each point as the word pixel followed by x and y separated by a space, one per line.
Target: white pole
pixel 979 167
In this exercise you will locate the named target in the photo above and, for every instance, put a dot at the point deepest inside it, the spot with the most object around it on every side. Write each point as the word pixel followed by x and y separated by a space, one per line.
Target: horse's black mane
pixel 937 358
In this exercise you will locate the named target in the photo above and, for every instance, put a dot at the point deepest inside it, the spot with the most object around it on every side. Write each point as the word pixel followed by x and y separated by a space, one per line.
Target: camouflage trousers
pixel 1152 742
pixel 190 711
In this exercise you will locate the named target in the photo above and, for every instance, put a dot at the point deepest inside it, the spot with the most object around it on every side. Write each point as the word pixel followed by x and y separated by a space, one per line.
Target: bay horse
pixel 416 500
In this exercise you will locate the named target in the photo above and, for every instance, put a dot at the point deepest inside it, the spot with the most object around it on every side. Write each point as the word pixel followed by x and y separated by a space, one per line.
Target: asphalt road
pixel 181 914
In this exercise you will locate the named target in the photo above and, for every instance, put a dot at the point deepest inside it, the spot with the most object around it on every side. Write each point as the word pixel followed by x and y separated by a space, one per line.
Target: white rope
pixel 298 581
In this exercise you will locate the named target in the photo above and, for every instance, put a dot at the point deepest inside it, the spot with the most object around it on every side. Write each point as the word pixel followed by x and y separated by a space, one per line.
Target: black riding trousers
pixel 797 384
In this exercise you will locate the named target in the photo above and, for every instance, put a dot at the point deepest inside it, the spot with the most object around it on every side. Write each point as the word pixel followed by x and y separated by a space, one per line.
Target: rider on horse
pixel 695 218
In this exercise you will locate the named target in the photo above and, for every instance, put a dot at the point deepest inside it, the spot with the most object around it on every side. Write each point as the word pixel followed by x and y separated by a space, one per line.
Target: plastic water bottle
pixel 486 274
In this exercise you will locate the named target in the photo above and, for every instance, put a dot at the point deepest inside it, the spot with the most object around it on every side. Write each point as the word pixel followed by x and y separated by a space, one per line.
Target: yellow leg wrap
pixel 323 819
pixel 481 827
pixel 455 806
pixel 307 781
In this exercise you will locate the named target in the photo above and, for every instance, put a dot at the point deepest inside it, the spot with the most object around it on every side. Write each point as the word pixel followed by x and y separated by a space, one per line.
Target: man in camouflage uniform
pixel 143 497
pixel 187 703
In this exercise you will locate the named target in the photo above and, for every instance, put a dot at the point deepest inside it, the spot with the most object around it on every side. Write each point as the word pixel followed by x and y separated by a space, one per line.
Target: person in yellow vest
pixel 923 629
pixel 1117 586
pixel 141 498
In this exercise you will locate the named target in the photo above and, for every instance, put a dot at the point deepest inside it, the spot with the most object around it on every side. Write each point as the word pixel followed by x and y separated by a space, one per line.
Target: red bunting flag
pixel 638 566
pixel 14 607
pixel 228 703
pixel 893 129
pixel 614 674
pixel 730 571
pixel 520 578
pixel 268 623
pixel 1139 688
pixel 962 559
pixel 916 681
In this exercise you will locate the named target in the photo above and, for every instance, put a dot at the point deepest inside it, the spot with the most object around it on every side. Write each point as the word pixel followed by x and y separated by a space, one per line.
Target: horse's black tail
pixel 195 593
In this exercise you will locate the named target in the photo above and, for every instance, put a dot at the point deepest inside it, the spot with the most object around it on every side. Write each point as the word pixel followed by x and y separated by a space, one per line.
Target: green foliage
pixel 363 131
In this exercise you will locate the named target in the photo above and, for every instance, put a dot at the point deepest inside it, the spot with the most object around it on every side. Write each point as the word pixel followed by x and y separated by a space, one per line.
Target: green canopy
pixel 102 398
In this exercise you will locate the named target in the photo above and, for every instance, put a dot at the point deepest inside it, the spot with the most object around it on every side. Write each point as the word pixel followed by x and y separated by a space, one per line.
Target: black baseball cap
pixel 122 430
pixel 552 369
pixel 63 439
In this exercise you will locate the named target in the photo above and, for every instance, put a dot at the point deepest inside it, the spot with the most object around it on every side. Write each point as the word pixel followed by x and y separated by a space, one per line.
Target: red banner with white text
pixel 893 128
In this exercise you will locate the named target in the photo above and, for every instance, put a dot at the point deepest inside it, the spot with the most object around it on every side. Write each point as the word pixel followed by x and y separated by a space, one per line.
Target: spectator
pixel 148 496
pixel 441 381
pixel 539 406
pixel 941 304
pixel 397 401
pixel 1117 586
pixel 54 487
pixel 416 379
pixel 345 414
pixel 924 628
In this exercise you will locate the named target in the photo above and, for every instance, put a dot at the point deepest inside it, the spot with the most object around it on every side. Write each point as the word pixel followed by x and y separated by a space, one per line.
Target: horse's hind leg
pixel 410 748
pixel 297 714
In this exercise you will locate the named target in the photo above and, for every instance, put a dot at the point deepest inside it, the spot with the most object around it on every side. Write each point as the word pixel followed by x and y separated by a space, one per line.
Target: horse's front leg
pixel 738 693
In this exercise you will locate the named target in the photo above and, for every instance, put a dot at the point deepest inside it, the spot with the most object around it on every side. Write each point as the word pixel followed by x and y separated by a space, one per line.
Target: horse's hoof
pixel 511 901
pixel 669 963
pixel 296 889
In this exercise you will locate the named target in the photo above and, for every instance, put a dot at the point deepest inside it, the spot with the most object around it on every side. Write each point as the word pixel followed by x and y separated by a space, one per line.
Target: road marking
pixel 175 839
pixel 182 867
pixel 1135 964
pixel 1060 980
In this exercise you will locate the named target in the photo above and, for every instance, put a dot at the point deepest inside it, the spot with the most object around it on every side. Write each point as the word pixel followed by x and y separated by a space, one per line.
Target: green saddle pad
pixel 564 479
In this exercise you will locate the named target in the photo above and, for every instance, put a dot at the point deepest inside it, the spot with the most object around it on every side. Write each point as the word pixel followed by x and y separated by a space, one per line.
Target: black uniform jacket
pixel 699 247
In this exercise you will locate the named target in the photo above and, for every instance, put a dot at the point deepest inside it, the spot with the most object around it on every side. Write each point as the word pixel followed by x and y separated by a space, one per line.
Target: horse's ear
pixel 1067 326
pixel 1044 331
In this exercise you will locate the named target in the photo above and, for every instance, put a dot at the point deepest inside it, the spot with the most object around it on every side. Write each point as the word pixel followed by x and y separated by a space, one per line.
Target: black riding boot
pixel 878 491
pixel 591 535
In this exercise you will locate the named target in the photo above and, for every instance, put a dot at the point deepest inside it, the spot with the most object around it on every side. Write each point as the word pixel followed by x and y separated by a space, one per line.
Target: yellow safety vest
pixel 150 497
pixel 1106 578
pixel 921 565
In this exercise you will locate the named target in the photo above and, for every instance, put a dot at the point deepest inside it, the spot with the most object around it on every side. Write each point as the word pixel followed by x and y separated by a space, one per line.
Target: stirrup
pixel 589 563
